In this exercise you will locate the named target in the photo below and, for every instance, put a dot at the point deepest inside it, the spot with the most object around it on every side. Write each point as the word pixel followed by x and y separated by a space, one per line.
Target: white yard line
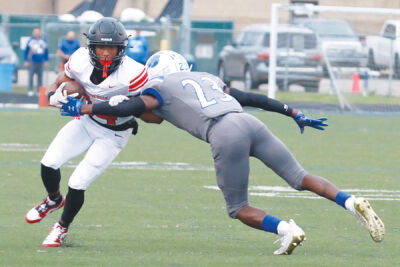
pixel 18 147
pixel 19 106
pixel 287 192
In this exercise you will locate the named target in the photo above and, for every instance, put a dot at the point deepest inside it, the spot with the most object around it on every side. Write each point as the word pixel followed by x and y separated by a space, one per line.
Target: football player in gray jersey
pixel 196 102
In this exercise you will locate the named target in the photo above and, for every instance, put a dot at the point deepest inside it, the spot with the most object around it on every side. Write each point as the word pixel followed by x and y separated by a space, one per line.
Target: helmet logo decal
pixel 153 61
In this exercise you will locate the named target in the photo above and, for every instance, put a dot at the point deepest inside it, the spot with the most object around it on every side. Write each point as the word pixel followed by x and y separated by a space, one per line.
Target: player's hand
pixel 302 121
pixel 72 107
pixel 115 100
pixel 60 96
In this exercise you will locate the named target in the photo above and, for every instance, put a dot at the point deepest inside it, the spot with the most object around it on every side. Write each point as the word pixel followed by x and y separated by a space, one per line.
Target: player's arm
pixel 269 104
pixel 135 106
pixel 261 101
pixel 150 117
pixel 55 97
pixel 61 77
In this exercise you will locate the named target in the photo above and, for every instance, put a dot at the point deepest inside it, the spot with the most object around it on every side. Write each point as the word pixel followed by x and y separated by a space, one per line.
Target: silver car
pixel 299 60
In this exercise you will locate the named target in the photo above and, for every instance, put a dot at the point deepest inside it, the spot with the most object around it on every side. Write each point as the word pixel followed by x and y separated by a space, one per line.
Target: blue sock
pixel 341 198
pixel 270 224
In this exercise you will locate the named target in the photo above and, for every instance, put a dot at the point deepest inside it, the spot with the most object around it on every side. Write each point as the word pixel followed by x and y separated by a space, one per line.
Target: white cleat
pixel 56 237
pixel 293 238
pixel 37 213
pixel 369 219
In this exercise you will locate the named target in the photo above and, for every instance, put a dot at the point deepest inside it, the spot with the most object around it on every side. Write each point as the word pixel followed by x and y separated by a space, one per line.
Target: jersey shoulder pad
pixel 152 87
pixel 133 74
pixel 154 83
pixel 77 62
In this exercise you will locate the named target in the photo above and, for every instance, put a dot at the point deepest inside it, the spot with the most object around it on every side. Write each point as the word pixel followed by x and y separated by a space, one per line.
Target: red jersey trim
pixel 134 79
pixel 139 81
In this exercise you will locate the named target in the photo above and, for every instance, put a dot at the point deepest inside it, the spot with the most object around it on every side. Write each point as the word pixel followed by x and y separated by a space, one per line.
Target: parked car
pixel 342 45
pixel 7 54
pixel 298 58
pixel 379 55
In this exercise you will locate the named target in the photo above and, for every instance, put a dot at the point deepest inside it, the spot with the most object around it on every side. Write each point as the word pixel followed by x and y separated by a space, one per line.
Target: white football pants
pixel 81 135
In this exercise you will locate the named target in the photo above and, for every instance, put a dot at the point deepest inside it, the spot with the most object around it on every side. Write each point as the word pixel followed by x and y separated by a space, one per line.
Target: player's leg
pixel 230 151
pixel 71 141
pixel 30 80
pixel 276 155
pixel 320 186
pixel 40 75
pixel 232 168
pixel 98 157
pixel 358 206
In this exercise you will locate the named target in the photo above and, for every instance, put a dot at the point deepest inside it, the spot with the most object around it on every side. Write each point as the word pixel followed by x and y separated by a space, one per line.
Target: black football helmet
pixel 107 31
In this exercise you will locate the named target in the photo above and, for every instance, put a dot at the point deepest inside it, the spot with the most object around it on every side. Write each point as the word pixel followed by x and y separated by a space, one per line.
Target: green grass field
pixel 156 212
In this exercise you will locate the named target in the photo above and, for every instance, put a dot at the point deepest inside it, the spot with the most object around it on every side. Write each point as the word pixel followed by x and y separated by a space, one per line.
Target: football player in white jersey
pixel 104 71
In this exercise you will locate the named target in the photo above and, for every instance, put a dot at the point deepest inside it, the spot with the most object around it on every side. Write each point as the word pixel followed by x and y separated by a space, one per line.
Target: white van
pixel 342 45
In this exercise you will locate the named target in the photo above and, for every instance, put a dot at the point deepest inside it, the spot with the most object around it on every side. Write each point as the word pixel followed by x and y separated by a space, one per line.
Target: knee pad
pixel 83 175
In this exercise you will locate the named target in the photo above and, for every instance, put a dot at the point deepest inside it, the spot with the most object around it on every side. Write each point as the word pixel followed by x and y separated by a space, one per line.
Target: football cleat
pixel 37 213
pixel 289 241
pixel 367 216
pixel 56 236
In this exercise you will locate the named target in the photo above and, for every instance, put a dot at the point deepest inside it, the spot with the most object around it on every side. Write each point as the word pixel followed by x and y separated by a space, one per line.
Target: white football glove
pixel 115 100
pixel 60 96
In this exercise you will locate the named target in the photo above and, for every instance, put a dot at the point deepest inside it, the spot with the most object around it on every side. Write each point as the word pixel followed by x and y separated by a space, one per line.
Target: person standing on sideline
pixel 202 105
pixel 36 57
pixel 67 47
pixel 138 48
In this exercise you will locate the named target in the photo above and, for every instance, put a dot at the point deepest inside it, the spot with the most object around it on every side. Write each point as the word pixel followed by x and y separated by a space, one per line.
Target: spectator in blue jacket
pixel 36 57
pixel 67 47
pixel 138 48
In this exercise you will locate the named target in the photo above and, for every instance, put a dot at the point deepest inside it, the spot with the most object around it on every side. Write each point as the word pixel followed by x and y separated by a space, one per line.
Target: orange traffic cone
pixel 355 87
pixel 42 97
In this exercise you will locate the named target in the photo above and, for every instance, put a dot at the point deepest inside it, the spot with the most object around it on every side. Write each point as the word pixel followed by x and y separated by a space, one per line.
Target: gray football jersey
pixel 191 100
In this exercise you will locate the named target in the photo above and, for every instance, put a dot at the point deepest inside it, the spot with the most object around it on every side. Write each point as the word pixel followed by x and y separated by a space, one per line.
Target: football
pixel 73 87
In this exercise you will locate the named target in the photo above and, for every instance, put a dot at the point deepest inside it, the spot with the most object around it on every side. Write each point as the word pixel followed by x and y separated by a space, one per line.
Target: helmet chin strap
pixel 105 62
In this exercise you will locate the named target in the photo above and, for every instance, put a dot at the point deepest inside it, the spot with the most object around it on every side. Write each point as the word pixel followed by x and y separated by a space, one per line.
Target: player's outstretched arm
pixel 134 106
pixel 150 117
pixel 269 104
pixel 261 101
pixel 302 121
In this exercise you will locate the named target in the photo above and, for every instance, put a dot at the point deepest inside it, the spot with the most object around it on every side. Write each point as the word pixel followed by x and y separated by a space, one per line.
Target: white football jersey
pixel 127 80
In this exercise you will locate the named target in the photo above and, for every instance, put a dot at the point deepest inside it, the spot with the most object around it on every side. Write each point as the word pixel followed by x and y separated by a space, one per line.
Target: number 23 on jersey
pixel 201 89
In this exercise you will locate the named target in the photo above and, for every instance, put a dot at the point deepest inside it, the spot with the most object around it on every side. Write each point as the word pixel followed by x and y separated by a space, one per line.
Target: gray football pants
pixel 236 137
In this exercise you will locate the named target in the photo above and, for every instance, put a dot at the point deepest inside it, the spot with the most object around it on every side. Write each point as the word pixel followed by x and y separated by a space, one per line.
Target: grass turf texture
pixel 167 218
